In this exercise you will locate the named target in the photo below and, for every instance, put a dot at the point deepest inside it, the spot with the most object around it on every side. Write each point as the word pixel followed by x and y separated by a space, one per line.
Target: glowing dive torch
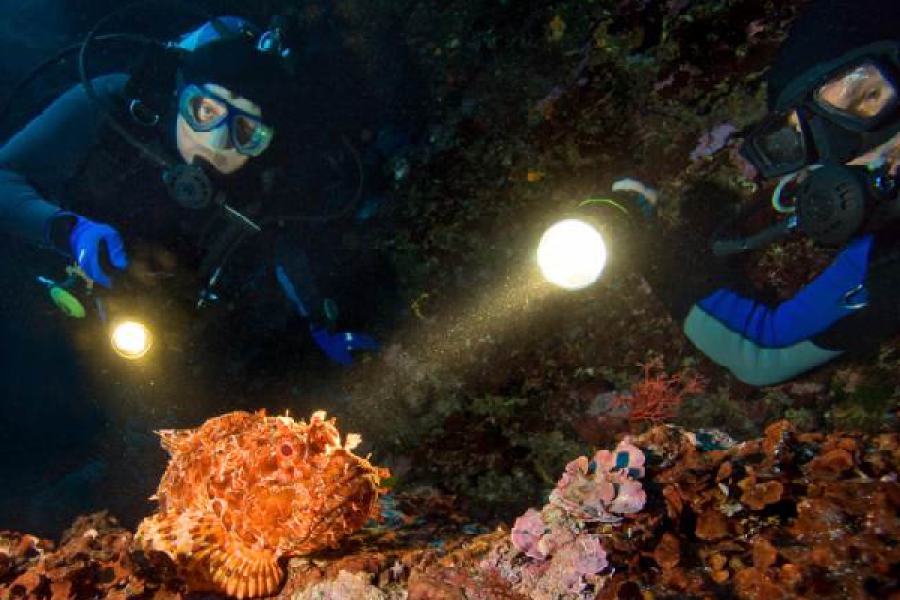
pixel 130 339
pixel 571 254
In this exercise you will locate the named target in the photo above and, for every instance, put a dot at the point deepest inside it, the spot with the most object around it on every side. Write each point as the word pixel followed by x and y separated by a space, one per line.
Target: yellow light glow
pixel 131 340
pixel 571 254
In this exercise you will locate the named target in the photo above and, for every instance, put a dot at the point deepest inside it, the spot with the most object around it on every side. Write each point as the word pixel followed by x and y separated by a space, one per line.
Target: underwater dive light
pixel 131 339
pixel 571 254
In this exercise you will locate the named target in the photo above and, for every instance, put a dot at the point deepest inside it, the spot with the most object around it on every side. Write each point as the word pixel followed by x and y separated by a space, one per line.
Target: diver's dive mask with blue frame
pixel 205 111
pixel 835 112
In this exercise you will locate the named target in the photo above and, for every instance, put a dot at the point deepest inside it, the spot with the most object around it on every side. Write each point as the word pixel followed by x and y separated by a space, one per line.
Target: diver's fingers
pixel 358 341
pixel 633 185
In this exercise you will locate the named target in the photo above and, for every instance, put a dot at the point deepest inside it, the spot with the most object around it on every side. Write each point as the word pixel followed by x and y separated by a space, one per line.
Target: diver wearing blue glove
pixel 834 98
pixel 338 345
pixel 91 245
pixel 186 184
pixel 293 267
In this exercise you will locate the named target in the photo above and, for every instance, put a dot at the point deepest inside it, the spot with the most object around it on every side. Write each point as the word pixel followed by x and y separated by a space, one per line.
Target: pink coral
pixel 593 491
pixel 630 499
pixel 626 457
pixel 526 532
pixel 569 570
pixel 536 538
pixel 582 495
pixel 565 559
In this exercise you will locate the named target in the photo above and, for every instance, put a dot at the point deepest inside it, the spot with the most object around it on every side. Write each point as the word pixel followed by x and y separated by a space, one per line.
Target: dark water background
pixel 76 425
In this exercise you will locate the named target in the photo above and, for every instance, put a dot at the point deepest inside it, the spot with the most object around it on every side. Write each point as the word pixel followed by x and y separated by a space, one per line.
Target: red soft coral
pixel 658 397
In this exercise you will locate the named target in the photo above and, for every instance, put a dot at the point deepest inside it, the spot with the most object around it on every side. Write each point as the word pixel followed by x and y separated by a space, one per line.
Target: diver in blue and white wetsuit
pixel 833 130
pixel 205 125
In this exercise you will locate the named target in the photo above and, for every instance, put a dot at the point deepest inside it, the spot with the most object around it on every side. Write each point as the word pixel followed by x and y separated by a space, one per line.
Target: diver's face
pixel 215 146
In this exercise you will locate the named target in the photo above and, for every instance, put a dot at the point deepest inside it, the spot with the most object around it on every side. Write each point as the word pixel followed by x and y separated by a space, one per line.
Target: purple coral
pixel 626 457
pixel 712 141
pixel 630 499
pixel 583 496
pixel 590 557
pixel 571 565
pixel 536 538
pixel 565 559
pixel 594 491
pixel 526 532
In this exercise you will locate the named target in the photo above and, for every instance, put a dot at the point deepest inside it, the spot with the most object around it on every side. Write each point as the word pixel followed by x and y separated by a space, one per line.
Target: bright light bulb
pixel 571 254
pixel 131 340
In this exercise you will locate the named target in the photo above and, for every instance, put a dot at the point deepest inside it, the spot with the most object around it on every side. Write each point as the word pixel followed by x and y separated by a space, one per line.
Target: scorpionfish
pixel 244 490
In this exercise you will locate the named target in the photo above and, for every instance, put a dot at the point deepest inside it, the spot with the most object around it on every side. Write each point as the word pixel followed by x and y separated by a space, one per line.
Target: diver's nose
pixel 227 142
pixel 220 138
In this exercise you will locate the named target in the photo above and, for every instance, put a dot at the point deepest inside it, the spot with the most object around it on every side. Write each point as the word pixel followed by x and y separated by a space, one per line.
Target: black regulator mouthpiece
pixel 189 185
pixel 832 205
pixel 837 202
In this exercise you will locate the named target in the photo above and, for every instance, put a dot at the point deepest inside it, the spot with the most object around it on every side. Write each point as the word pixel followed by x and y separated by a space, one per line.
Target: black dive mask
pixel 835 112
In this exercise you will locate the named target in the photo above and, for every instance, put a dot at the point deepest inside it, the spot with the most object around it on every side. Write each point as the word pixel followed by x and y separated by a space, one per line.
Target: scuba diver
pixel 832 134
pixel 169 169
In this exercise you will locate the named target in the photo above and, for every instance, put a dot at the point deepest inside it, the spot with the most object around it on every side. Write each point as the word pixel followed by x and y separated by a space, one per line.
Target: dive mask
pixel 833 113
pixel 206 111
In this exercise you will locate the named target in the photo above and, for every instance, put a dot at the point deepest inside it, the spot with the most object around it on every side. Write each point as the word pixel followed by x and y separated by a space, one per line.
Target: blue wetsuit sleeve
pixel 36 163
pixel 765 345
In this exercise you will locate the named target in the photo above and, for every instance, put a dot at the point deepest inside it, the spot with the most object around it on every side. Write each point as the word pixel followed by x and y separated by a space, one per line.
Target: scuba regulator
pixel 837 202
pixel 832 204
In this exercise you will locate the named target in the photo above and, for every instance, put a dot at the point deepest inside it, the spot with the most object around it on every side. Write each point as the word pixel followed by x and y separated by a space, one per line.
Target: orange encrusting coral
pixel 243 490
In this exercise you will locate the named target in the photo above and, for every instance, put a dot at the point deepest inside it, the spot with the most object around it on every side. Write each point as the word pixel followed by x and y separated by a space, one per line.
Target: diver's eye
pixel 206 110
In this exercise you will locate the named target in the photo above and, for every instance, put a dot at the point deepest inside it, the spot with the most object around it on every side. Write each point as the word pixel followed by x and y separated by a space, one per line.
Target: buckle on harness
pixel 849 302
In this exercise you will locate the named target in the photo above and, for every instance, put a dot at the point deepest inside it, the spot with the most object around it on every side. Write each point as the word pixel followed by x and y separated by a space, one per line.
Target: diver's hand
pixel 644 198
pixel 95 246
pixel 338 345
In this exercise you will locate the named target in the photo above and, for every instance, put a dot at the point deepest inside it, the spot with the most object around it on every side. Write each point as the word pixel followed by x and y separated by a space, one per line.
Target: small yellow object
pixel 131 339
pixel 416 305
pixel 557 28
pixel 534 176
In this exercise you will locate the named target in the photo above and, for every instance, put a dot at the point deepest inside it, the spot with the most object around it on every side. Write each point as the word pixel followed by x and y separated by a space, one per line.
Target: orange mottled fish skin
pixel 244 490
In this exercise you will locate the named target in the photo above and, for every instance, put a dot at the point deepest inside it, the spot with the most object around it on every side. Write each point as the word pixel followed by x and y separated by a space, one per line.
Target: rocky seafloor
pixel 788 515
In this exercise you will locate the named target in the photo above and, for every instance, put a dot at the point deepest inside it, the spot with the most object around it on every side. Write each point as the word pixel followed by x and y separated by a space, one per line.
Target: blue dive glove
pixel 338 345
pixel 88 241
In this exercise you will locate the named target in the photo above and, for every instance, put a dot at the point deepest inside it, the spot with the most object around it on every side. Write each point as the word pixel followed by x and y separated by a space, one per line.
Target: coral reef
pixel 789 515
pixel 92 560
pixel 243 490
pixel 565 559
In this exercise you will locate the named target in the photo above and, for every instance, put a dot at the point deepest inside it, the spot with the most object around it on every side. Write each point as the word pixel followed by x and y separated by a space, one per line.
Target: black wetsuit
pixel 68 157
